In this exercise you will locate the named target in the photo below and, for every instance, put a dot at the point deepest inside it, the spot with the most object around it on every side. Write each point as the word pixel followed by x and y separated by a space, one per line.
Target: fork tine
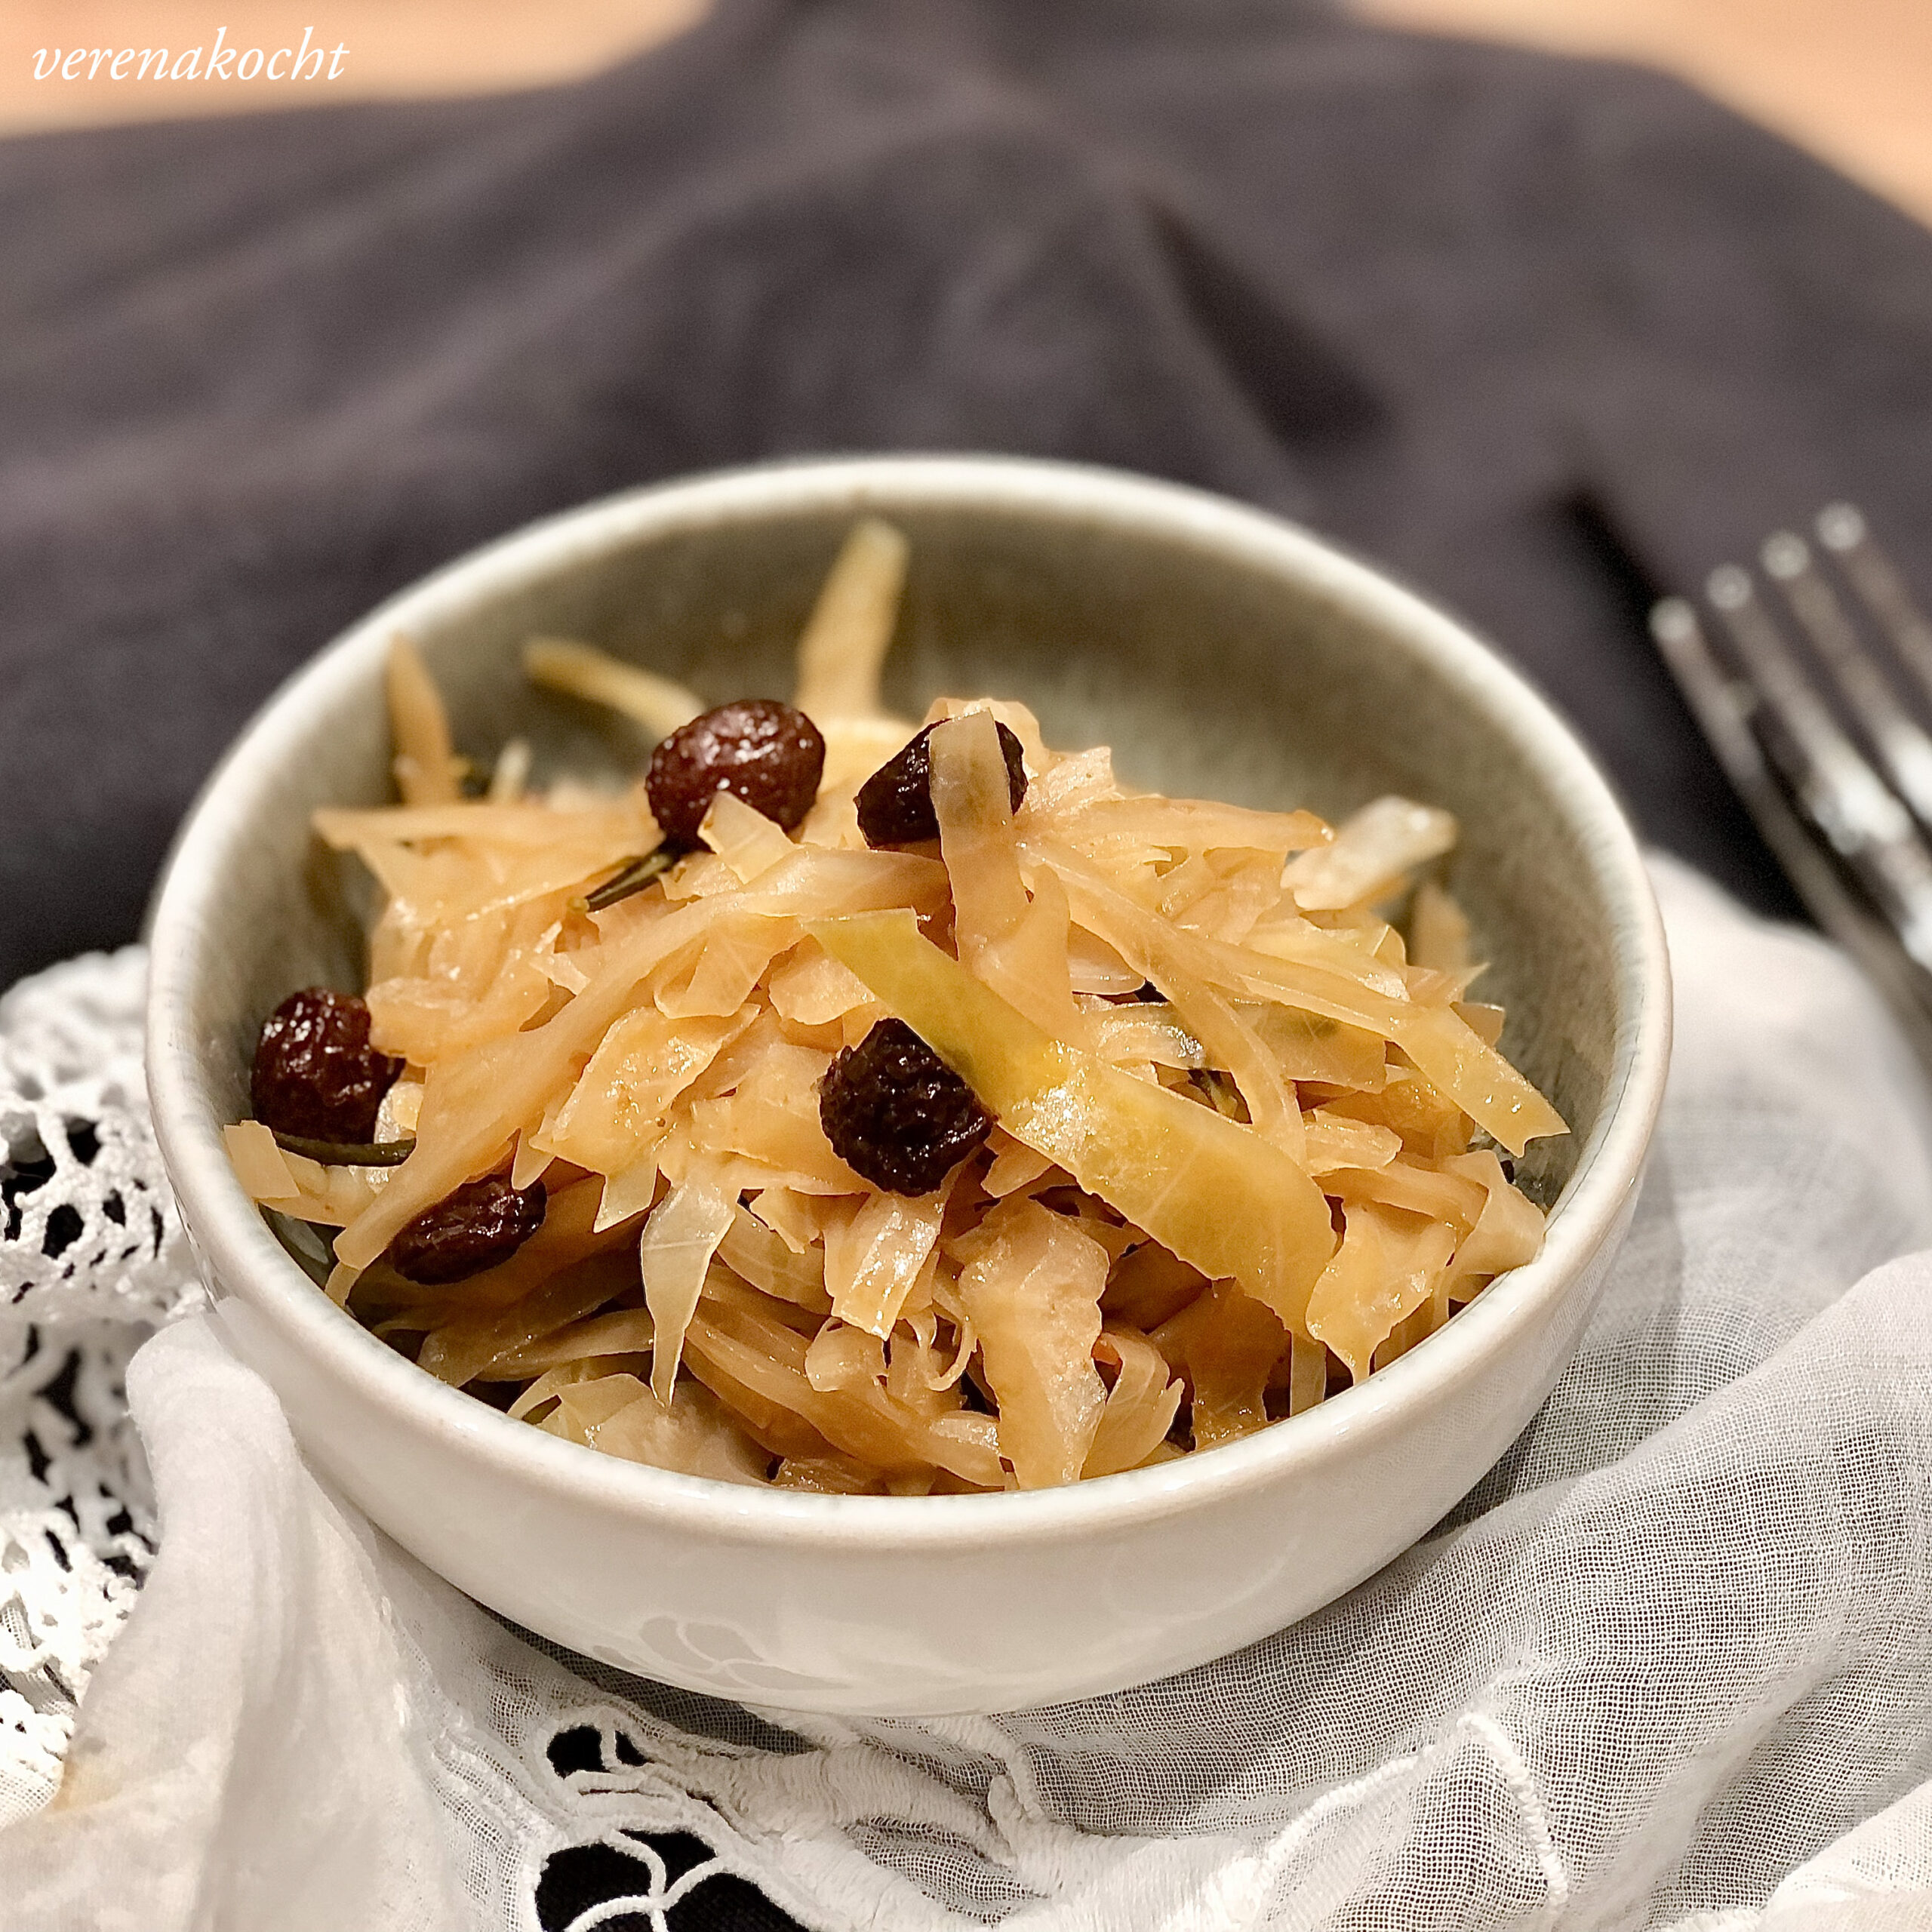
pixel 1721 705
pixel 1903 748
pixel 1843 530
pixel 1724 706
pixel 1856 854
pixel 1835 788
pixel 1843 794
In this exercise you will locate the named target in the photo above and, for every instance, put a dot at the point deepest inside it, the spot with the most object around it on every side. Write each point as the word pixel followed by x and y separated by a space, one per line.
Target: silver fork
pixel 1817 738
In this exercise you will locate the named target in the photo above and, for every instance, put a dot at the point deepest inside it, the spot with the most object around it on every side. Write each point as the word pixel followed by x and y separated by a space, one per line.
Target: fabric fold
pixel 1429 296
pixel 248 1755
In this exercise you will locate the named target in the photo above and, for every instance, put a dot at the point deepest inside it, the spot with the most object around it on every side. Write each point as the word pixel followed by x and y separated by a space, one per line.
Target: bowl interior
pixel 1260 674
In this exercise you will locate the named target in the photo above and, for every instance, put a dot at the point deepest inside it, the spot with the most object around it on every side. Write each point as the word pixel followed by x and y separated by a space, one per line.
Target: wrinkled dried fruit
pixel 482 1224
pixel 896 1113
pixel 758 749
pixel 895 802
pixel 315 1073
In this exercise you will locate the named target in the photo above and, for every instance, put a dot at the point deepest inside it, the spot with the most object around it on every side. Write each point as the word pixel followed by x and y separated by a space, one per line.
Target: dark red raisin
pixel 896 1113
pixel 758 749
pixel 483 1223
pixel 315 1073
pixel 895 802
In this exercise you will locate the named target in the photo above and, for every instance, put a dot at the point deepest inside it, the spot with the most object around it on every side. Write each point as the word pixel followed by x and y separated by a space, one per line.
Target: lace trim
pixel 91 1256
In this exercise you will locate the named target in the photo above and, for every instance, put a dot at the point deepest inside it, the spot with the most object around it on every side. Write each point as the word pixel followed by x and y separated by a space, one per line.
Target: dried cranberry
pixel 895 802
pixel 315 1073
pixel 484 1223
pixel 758 749
pixel 896 1113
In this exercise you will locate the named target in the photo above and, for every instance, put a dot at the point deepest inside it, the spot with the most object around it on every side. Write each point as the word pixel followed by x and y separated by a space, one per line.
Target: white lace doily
pixel 90 1259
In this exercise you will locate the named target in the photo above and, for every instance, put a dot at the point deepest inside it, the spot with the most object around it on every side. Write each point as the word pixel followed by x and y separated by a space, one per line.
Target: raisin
pixel 895 802
pixel 484 1223
pixel 896 1113
pixel 315 1073
pixel 758 749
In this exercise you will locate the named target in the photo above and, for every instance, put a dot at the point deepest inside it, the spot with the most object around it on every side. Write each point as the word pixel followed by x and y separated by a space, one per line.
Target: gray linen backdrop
pixel 1537 333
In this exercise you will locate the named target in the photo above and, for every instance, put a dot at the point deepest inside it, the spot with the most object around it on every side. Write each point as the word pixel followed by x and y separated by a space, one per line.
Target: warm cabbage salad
pixel 1234 1140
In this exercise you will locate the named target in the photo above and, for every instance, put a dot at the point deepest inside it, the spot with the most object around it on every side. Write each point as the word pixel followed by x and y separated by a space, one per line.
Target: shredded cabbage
pixel 1246 1122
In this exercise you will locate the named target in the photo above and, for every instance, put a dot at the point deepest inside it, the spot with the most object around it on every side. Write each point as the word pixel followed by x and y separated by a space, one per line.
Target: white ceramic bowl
pixel 1222 653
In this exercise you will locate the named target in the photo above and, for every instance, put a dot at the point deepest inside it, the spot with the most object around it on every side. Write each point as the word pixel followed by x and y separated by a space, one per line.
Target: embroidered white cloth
pixel 1670 1666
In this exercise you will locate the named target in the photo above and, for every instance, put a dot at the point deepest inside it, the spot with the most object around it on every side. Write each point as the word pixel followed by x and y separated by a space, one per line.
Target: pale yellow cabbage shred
pixel 1244 1149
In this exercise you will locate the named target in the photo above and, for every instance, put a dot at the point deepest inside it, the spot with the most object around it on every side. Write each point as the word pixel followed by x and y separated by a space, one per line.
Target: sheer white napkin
pixel 1670 1666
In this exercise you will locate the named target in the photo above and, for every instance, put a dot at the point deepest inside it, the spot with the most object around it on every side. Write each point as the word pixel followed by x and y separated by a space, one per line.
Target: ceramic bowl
pixel 1222 653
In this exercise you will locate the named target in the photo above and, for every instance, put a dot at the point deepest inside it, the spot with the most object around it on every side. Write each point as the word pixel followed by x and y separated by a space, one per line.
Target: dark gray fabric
pixel 1529 331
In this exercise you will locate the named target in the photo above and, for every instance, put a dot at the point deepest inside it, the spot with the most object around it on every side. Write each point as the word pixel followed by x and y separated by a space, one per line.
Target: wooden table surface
pixel 1851 79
